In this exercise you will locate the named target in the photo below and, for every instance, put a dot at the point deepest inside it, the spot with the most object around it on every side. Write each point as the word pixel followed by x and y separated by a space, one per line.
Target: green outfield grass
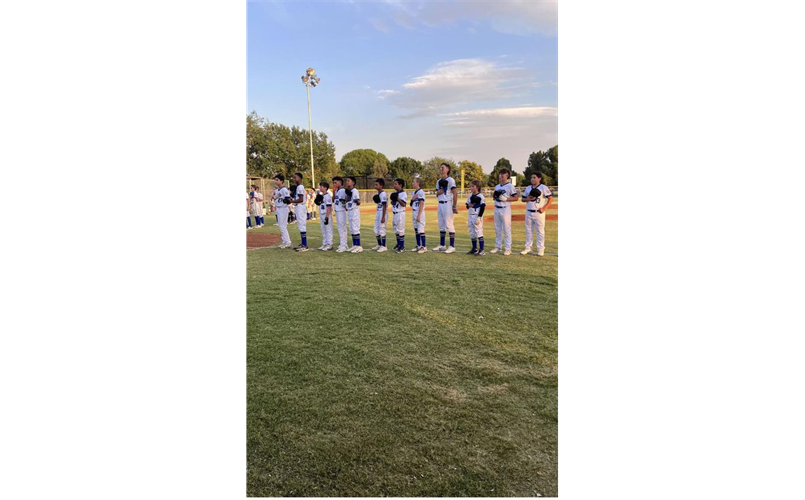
pixel 402 374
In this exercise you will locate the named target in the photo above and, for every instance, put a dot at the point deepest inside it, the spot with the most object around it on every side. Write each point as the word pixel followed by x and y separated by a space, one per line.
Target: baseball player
pixel 325 203
pixel 446 194
pixel 476 204
pixel 282 200
pixel 353 199
pixel 257 207
pixel 418 209
pixel 248 212
pixel 398 198
pixel 298 195
pixel 537 198
pixel 504 195
pixel 381 198
pixel 340 208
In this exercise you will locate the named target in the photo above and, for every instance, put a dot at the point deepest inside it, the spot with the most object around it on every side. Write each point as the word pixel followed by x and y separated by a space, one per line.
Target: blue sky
pixel 462 79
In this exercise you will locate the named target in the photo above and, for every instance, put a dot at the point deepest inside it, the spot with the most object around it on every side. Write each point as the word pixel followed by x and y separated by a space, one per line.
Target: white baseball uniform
pixel 326 231
pixel 382 208
pixel 417 204
pixel 475 222
pixel 300 210
pixel 282 213
pixel 398 211
pixel 503 217
pixel 354 212
pixel 535 221
pixel 445 210
pixel 257 204
pixel 339 206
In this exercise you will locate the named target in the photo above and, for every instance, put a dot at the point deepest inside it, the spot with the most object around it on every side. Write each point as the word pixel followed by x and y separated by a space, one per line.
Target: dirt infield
pixel 261 240
pixel 521 218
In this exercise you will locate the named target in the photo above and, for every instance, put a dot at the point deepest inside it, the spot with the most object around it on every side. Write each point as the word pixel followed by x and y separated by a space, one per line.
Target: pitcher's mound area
pixel 261 240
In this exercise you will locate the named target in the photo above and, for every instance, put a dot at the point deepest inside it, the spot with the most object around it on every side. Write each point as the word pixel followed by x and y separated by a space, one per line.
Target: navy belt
pixel 532 210
pixel 442 202
pixel 400 212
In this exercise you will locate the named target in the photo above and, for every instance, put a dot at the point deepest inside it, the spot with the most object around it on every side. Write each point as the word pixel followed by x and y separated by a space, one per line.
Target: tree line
pixel 273 148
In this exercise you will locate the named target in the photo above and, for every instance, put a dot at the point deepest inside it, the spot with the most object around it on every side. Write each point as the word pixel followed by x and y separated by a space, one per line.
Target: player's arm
pixel 454 190
pixel 329 212
pixel 421 209
pixel 545 208
pixel 385 209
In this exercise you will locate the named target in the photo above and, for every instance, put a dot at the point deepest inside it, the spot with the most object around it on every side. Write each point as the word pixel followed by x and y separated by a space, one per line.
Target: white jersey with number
pixel 474 209
pixel 542 192
pixel 280 195
pixel 339 200
pixel 417 199
pixel 327 201
pixel 399 205
pixel 384 199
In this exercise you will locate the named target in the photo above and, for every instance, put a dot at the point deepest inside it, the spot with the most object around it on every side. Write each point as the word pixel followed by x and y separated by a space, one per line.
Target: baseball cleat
pixel 320 248
pixel 472 252
pixel 376 248
pixel 416 249
pixel 422 250
pixel 400 250
pixel 526 251
pixel 396 247
pixel 495 250
pixel 541 254
pixel 481 253
pixel 341 249
pixel 507 252
pixel 249 228
pixel 302 249
pixel 382 249
pixel 438 249
pixel 450 250
pixel 356 249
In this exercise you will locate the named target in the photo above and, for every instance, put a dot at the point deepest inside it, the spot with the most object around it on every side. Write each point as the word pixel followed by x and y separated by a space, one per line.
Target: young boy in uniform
pixel 325 202
pixel 340 208
pixel 380 218
pixel 504 195
pixel 248 212
pixel 446 194
pixel 353 198
pixel 476 203
pixel 398 199
pixel 258 207
pixel 537 198
pixel 298 194
pixel 418 210
pixel 282 199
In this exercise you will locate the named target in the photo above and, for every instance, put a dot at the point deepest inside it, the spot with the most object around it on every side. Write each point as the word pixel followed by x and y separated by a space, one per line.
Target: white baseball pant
pixel 341 221
pixel 282 222
pixel 535 222
pixel 419 227
pixel 301 217
pixel 503 226
pixel 476 226
pixel 355 220
pixel 398 222
pixel 326 231
pixel 380 227
pixel 257 209
pixel 445 215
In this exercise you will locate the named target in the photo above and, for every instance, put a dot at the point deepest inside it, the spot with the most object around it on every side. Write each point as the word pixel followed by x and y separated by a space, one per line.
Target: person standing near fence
pixel 248 211
pixel 380 217
pixel 340 207
pixel 353 199
pixel 258 207
pixel 476 204
pixel 537 198
pixel 282 200
pixel 446 194
pixel 418 217
pixel 504 195
pixel 300 210
pixel 325 202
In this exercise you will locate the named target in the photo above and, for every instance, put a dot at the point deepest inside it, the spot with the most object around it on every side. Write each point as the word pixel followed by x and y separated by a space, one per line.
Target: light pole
pixel 310 80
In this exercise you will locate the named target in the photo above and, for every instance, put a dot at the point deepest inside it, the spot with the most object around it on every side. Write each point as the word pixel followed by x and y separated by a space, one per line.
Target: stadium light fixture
pixel 310 79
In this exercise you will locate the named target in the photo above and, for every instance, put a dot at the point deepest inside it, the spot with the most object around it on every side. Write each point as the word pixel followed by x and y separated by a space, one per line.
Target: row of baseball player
pixel 345 202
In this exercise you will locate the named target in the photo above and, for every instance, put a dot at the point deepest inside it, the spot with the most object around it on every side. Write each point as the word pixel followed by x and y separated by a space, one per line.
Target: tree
pixel 360 162
pixel 472 171
pixel 430 171
pixel 492 180
pixel 546 163
pixel 380 167
pixel 405 168
pixel 273 148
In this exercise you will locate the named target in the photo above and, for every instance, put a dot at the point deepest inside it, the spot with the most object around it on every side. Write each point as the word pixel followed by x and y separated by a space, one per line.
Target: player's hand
pixel 478 221
pixel 455 210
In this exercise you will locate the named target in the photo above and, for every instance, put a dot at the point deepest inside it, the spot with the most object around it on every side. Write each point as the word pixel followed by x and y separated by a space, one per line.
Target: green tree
pixel 492 180
pixel 545 162
pixel 380 167
pixel 360 162
pixel 405 168
pixel 472 171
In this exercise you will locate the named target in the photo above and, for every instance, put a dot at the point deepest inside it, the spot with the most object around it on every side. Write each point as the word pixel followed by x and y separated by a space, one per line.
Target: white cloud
pixel 462 81
pixel 519 112
pixel 512 17
pixel 382 94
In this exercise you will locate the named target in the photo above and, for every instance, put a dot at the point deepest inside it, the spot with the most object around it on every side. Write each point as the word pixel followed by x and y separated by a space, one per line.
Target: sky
pixel 467 80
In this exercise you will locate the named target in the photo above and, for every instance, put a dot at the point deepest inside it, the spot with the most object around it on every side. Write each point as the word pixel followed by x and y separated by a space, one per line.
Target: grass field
pixel 402 374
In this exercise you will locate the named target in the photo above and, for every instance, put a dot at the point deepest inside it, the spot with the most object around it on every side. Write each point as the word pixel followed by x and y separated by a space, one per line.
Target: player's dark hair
pixel 280 177
pixel 324 184
pixel 446 165
pixel 381 181
pixel 400 182
pixel 339 179
pixel 505 171
pixel 353 179
pixel 538 174
pixel 298 175
pixel 476 183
